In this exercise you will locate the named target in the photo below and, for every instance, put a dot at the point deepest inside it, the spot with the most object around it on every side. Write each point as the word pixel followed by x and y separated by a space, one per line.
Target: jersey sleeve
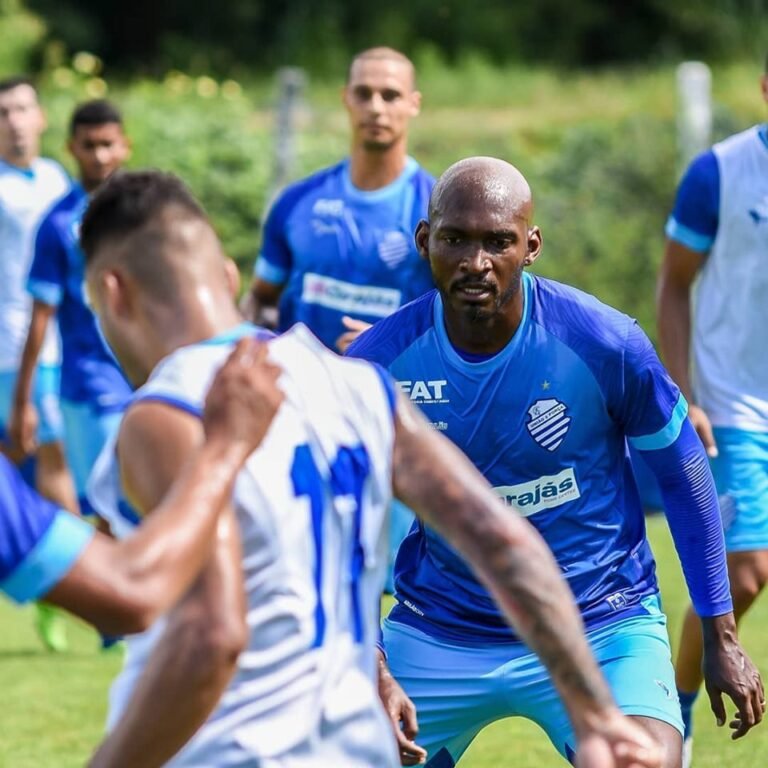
pixel 275 259
pixel 649 405
pixel 39 543
pixel 694 219
pixel 48 273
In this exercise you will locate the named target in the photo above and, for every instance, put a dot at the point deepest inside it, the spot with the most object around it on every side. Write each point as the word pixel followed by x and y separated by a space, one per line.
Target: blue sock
pixel 687 701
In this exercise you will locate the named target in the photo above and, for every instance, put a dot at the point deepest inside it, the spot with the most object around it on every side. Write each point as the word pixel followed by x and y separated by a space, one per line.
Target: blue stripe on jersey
pixel 174 402
pixel 270 272
pixel 667 434
pixel 50 560
pixel 241 331
pixel 388 384
pixel 674 230
pixel 762 132
pixel 47 293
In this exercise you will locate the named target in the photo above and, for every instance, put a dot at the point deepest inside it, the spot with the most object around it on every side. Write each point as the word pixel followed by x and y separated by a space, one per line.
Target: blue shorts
pixel 459 689
pixel 45 396
pixel 741 476
pixel 86 430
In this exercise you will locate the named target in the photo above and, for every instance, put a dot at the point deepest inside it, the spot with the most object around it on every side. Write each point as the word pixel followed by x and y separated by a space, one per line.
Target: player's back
pixel 311 504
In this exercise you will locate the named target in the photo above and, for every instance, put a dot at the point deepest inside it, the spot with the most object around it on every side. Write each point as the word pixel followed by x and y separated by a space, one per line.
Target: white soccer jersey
pixel 731 308
pixel 311 503
pixel 24 199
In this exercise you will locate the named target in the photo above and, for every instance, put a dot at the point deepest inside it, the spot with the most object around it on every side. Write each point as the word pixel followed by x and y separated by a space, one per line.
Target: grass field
pixel 54 706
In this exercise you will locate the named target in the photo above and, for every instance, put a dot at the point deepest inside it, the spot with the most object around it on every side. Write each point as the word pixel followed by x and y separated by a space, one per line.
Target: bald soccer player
pixel 543 388
pixel 311 504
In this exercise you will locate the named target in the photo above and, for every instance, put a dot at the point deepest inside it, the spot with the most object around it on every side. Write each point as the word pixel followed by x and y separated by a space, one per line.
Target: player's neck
pixel 21 161
pixel 483 336
pixel 369 170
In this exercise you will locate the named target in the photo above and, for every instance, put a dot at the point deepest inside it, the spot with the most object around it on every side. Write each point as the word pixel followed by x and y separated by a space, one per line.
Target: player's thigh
pixel 457 690
pixel 635 658
pixel 668 737
pixel 741 476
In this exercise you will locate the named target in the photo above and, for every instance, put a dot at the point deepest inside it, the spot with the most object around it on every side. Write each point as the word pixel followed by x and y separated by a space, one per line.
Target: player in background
pixel 48 553
pixel 717 241
pixel 340 243
pixel 93 390
pixel 542 387
pixel 311 505
pixel 29 184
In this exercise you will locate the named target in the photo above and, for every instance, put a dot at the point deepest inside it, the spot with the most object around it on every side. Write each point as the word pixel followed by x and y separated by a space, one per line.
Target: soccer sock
pixel 687 700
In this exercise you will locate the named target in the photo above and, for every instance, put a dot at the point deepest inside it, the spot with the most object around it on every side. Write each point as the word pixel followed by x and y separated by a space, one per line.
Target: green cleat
pixel 51 628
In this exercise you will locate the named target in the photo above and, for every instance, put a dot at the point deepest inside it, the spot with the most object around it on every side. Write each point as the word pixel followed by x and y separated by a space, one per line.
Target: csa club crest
pixel 549 423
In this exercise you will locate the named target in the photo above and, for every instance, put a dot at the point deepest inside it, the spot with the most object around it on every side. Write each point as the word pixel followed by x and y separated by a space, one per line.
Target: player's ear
pixel 232 274
pixel 415 103
pixel 534 246
pixel 422 239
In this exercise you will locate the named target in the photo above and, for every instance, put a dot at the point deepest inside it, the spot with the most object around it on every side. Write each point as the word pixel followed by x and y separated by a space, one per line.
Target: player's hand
pixel 22 428
pixel 243 398
pixel 402 715
pixel 354 329
pixel 703 427
pixel 728 670
pixel 615 741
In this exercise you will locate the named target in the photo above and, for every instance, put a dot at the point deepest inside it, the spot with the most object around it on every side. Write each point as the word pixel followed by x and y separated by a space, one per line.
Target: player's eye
pixel 390 95
pixel 362 94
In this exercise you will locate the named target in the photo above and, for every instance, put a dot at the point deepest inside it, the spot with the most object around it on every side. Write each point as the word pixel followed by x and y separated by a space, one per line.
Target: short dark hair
pixel 96 112
pixel 128 202
pixel 9 83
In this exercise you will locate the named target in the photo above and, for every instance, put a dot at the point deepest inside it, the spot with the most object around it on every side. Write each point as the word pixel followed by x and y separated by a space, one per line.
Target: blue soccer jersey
pixel 89 372
pixel 339 250
pixel 39 542
pixel 546 420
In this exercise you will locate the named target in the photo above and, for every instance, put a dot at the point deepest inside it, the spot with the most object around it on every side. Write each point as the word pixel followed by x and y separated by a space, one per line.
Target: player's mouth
pixel 474 292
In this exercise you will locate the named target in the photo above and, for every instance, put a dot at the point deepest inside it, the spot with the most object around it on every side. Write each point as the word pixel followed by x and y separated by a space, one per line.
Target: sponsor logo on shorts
pixel 617 601
pixel 348 297
pixel 549 423
pixel 544 493
pixel 425 392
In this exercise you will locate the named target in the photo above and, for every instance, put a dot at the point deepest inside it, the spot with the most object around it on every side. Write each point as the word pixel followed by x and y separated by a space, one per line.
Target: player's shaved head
pixel 382 53
pixel 148 221
pixel 482 178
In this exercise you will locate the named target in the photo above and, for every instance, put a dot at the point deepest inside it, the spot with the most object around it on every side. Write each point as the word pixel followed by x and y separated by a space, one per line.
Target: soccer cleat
pixel 687 752
pixel 51 628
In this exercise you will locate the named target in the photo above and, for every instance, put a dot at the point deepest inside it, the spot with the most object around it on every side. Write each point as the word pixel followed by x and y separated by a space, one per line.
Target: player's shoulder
pixel 738 142
pixel 387 339
pixel 61 210
pixel 297 191
pixel 51 168
pixel 579 319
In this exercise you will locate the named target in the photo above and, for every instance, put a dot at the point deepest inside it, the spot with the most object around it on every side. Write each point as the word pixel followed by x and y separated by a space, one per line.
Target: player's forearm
pixel 674 327
pixel 30 354
pixel 160 561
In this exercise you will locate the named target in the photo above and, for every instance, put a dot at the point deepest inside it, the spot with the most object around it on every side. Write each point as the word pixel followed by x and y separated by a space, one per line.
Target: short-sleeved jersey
pixel 89 372
pixel 546 421
pixel 311 503
pixel 339 250
pixel 39 542
pixel 721 210
pixel 25 195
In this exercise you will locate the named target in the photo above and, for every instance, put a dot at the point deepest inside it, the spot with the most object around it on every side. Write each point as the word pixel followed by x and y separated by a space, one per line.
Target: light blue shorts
pixel 45 396
pixel 86 430
pixel 459 689
pixel 741 476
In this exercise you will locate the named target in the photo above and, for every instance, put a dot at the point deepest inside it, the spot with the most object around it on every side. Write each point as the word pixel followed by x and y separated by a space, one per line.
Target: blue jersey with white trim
pixel 39 542
pixel 339 250
pixel 89 372
pixel 546 420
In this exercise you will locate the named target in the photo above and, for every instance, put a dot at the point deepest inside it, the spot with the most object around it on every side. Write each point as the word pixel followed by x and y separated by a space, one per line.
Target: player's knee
pixel 746 585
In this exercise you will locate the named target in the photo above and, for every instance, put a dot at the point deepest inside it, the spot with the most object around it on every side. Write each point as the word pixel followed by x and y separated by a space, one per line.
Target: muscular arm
pixel 197 655
pixel 22 422
pixel 434 478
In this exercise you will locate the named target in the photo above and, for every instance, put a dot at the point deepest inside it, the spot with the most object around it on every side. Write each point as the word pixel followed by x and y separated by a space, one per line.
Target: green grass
pixel 53 707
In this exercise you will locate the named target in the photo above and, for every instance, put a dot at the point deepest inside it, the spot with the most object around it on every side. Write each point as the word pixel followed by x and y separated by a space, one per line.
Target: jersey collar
pixel 511 348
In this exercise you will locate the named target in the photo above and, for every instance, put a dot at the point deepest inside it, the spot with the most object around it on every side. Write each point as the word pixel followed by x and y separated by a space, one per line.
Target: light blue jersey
pixel 39 543
pixel 546 421
pixel 339 250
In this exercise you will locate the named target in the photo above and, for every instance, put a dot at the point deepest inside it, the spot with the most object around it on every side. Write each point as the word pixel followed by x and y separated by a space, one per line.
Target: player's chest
pixel 21 205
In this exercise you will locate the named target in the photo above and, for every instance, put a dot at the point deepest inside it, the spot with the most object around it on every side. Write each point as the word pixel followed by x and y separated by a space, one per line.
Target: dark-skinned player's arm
pixel 123 586
pixel 197 654
pixel 439 483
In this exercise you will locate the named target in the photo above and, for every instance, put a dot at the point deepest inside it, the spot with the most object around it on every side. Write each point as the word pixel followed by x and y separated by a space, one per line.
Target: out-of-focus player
pixel 93 390
pixel 29 184
pixel 340 243
pixel 716 249
pixel 311 505
pixel 49 553
pixel 542 386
